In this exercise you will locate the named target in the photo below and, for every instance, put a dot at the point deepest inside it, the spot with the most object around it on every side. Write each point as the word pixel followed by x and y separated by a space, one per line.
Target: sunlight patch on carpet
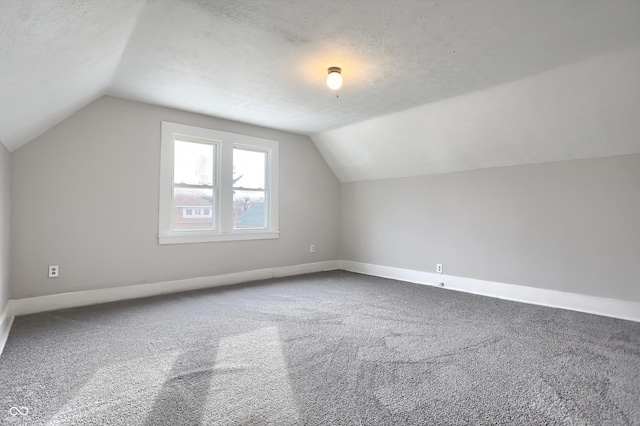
pixel 251 384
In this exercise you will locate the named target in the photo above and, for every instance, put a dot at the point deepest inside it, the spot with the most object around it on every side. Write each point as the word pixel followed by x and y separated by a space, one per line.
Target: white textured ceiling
pixel 265 61
pixel 55 58
pixel 587 109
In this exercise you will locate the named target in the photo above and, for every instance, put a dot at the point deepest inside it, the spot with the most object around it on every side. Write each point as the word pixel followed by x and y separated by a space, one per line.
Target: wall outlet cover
pixel 54 271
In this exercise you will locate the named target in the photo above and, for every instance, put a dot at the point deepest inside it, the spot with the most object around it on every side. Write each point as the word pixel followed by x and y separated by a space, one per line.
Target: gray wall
pixel 571 226
pixel 4 225
pixel 85 196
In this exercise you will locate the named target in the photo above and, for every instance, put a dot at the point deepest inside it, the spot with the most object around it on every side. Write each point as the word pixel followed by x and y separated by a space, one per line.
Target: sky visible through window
pixel 193 165
pixel 249 166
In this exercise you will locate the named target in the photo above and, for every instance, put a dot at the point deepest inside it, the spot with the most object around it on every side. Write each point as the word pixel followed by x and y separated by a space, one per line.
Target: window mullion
pixel 226 188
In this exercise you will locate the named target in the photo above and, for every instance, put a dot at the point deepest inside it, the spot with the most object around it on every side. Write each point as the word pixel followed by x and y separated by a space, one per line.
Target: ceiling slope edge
pixel 587 109
pixel 48 120
pixel 73 52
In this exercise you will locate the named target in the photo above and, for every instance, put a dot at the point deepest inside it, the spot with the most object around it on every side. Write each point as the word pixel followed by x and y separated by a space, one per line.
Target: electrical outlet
pixel 312 248
pixel 439 268
pixel 54 271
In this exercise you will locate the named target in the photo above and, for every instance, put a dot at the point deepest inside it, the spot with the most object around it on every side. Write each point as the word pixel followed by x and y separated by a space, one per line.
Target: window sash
pixel 215 146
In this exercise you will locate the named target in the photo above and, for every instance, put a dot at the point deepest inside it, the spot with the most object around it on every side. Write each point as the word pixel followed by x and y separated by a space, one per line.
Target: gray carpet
pixel 330 348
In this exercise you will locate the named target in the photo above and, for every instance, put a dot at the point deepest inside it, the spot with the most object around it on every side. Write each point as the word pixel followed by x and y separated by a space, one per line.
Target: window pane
pixel 192 209
pixel 193 163
pixel 249 209
pixel 249 168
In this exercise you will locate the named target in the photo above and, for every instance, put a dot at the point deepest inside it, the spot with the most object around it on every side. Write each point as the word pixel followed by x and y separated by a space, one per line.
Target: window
pixel 216 186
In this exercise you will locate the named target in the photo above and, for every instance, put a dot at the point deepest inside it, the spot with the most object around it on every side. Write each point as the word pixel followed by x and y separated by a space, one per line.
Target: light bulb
pixel 334 79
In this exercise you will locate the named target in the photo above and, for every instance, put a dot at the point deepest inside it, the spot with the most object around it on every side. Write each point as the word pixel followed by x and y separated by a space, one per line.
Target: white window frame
pixel 223 210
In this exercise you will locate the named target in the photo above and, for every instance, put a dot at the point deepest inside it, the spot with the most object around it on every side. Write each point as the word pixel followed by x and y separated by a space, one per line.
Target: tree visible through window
pixel 249 183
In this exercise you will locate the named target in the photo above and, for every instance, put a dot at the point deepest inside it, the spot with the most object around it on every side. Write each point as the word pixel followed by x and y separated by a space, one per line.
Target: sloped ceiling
pixel 55 58
pixel 587 109
pixel 264 62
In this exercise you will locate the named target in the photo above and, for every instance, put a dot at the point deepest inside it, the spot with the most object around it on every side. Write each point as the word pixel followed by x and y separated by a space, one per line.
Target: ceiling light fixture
pixel 334 79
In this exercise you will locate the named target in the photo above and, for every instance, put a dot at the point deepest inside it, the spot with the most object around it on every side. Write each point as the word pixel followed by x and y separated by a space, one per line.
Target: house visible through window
pixel 194 183
pixel 189 213
pixel 216 186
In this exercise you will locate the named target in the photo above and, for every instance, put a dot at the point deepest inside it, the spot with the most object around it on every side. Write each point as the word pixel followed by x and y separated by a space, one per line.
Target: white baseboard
pixel 91 297
pixel 6 319
pixel 577 302
pixel 537 296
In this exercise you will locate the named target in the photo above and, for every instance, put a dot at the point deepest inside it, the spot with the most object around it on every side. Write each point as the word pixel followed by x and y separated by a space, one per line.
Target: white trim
pixel 577 302
pixel 6 319
pixel 201 237
pixel 91 297
pixel 615 308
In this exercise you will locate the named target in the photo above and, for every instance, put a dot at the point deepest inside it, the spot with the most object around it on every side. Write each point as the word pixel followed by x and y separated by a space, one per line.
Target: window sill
pixel 186 238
